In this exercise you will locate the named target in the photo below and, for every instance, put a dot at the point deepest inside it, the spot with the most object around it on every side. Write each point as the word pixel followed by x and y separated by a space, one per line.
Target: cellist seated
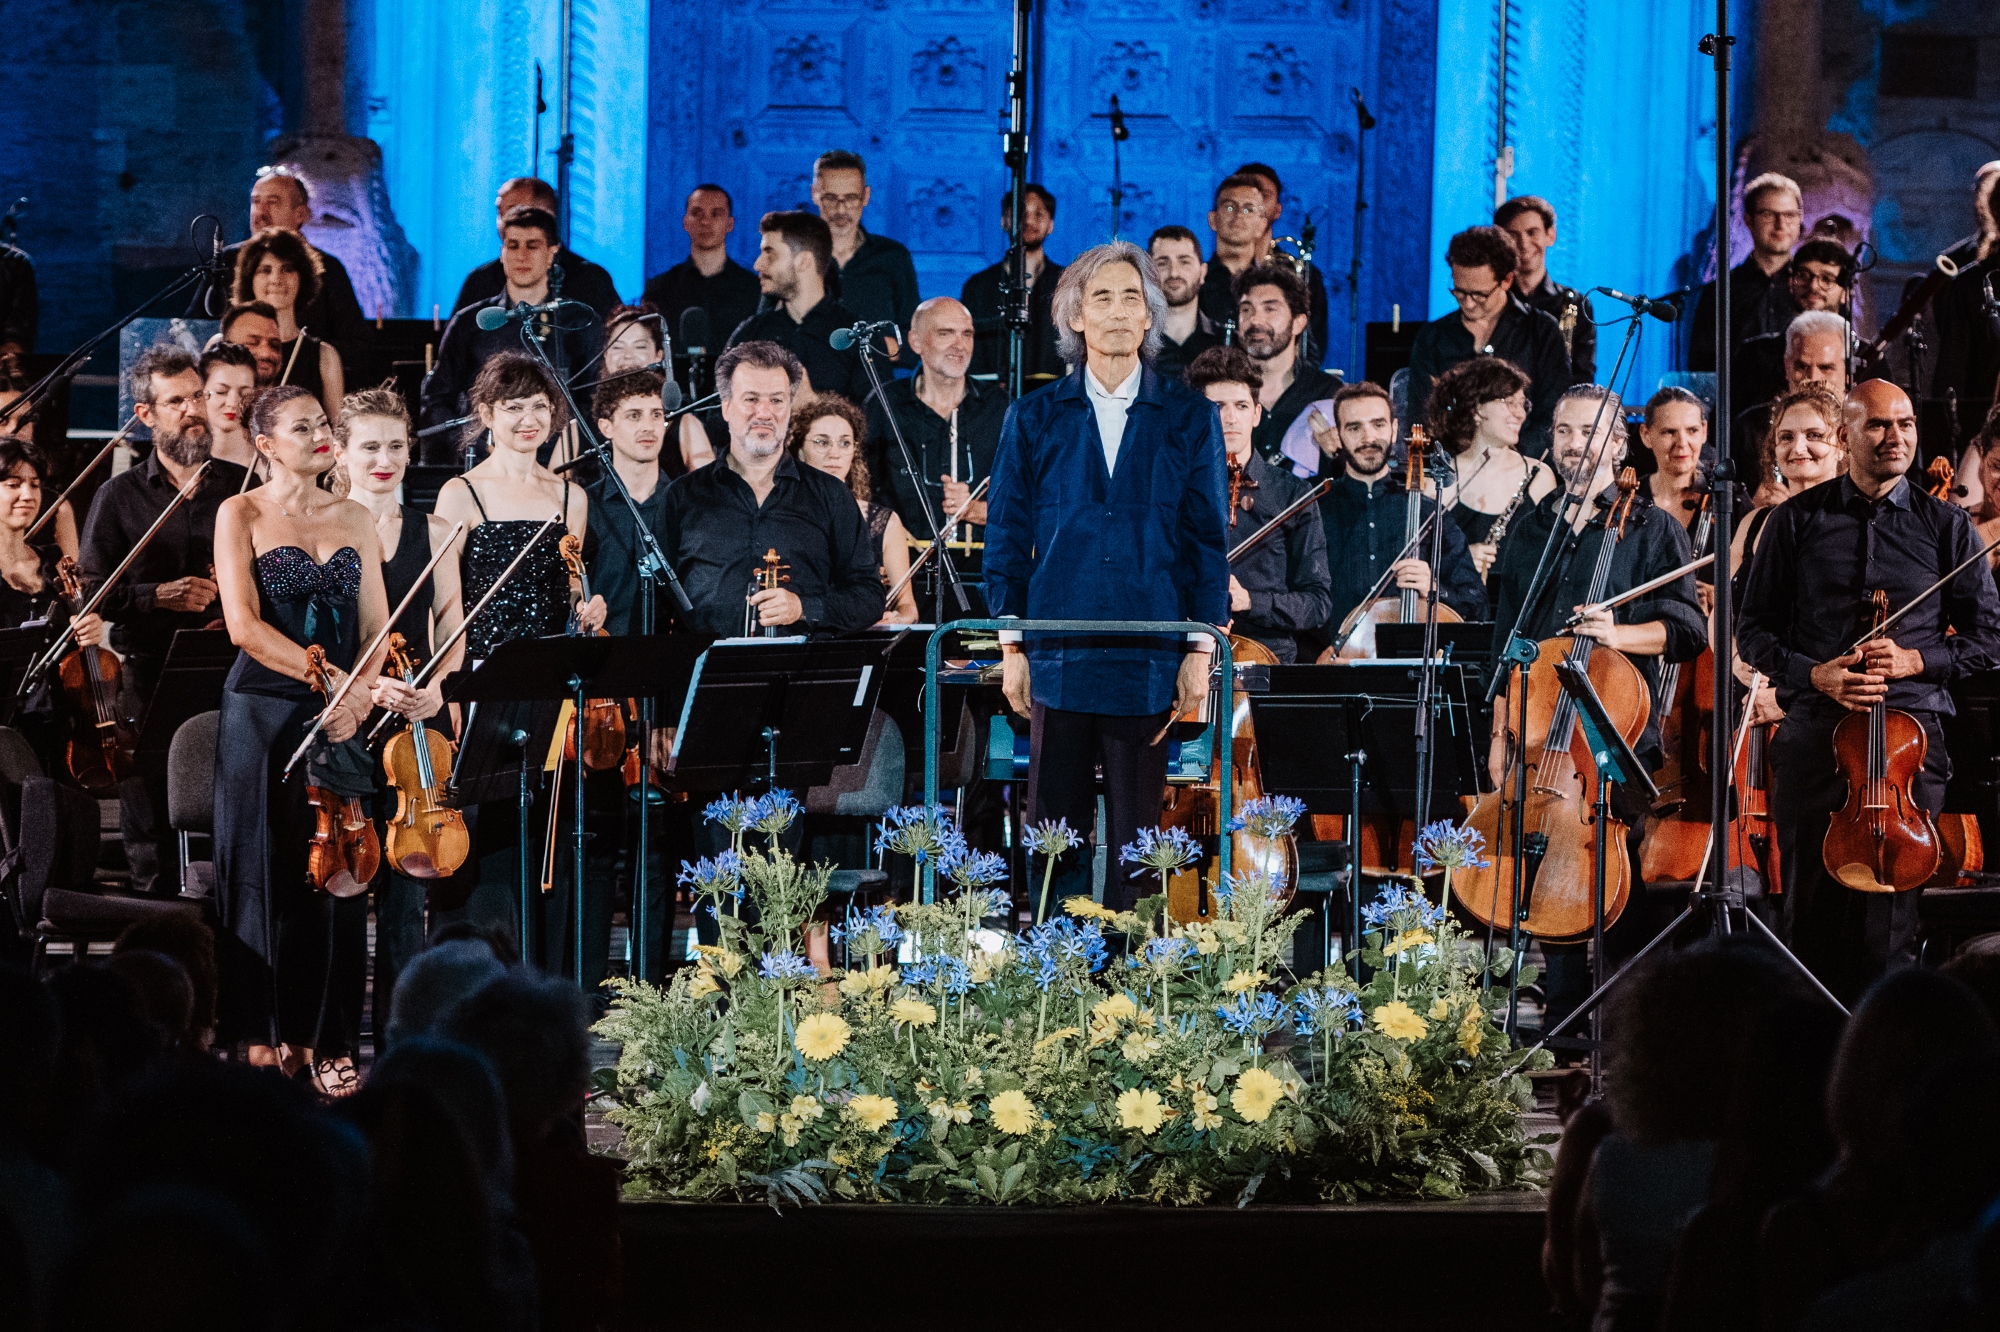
pixel 1277 588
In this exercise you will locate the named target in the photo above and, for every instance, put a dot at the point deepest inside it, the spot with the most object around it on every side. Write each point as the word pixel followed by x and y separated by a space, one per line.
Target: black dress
pixel 399 573
pixel 285 947
pixel 18 607
pixel 305 367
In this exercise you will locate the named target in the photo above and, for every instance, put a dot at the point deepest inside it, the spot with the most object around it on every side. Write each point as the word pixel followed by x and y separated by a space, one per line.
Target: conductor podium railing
pixel 1176 629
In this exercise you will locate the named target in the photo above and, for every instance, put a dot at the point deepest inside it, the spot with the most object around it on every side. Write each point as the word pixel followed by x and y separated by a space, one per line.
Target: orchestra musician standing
pixel 1477 410
pixel 1822 555
pixel 1108 503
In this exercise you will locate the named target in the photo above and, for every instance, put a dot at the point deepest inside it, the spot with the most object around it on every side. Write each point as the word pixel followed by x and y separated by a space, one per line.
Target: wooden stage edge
pixel 1411 1265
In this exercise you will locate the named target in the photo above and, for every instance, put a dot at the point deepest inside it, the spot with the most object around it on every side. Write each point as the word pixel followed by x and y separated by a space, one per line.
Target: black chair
pixel 866 788
pixel 191 798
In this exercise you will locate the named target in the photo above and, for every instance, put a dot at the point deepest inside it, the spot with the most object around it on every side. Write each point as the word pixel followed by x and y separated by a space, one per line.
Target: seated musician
pixel 1364 512
pixel 825 435
pixel 1279 588
pixel 1822 555
pixel 1664 625
pixel 722 518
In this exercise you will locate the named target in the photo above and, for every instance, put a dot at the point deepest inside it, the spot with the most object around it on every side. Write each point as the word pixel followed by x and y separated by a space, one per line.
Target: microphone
pixel 493 317
pixel 1664 311
pixel 843 338
pixel 694 331
pixel 670 394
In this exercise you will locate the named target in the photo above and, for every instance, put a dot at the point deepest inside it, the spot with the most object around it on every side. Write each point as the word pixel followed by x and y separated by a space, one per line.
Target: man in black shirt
pixel 1279 588
pixel 568 336
pixel 1364 514
pixel 1271 314
pixel 581 280
pixel 950 422
pixel 1817 281
pixel 1186 332
pixel 170 586
pixel 878 279
pixel 1773 208
pixel 981 295
pixel 792 267
pixel 708 279
pixel 1815 353
pixel 1822 556
pixel 1492 321
pixel 722 518
pixel 1531 221
pixel 1266 251
pixel 280 198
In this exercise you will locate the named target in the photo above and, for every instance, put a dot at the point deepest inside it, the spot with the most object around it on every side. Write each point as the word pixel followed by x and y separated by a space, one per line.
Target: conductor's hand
pixel 776 605
pixel 184 594
pixel 1413 574
pixel 1881 656
pixel 956 493
pixel 1014 682
pixel 1857 690
pixel 1192 685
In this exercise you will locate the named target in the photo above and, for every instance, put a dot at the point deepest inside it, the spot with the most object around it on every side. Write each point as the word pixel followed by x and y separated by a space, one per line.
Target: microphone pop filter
pixel 491 317
pixel 670 395
pixel 842 339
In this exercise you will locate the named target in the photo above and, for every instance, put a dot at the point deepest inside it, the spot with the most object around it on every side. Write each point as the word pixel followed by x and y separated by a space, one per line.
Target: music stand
pixel 1364 713
pixel 1470 642
pixel 191 679
pixel 747 695
pixel 18 649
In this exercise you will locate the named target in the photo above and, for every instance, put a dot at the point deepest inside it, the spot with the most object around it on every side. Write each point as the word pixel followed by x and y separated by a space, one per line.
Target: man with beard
pixel 878 279
pixel 722 518
pixel 253 326
pixel 170 585
pixel 1273 191
pixel 1815 353
pixel 1186 332
pixel 1272 310
pixel 1588 446
pixel 793 264
pixel 981 294
pixel 1823 554
pixel 1365 511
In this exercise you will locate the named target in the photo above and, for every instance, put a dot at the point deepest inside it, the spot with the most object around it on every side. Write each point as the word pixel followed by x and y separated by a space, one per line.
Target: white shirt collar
pixel 1125 392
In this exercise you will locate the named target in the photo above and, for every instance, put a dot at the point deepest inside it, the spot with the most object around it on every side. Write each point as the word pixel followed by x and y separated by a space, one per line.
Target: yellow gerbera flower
pixel 1399 1021
pixel 1256 1092
pixel 913 1011
pixel 1141 1108
pixel 1440 1009
pixel 1117 1008
pixel 1244 980
pixel 872 1112
pixel 1013 1112
pixel 821 1036
pixel 1406 940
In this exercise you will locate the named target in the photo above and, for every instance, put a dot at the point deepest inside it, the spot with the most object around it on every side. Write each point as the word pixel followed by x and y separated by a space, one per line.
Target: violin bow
pixel 1282 517
pixel 88 468
pixel 61 645
pixel 388 628
pixel 1382 583
pixel 1913 602
pixel 1611 603
pixel 443 649
pixel 949 523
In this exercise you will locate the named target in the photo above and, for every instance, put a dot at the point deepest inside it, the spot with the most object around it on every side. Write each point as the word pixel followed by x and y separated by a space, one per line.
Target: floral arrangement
pixel 1100 1055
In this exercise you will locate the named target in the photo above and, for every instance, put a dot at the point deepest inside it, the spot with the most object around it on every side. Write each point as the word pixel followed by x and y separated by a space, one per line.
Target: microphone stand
pixel 652 566
pixel 1438 468
pixel 1014 295
pixel 946 566
pixel 1364 122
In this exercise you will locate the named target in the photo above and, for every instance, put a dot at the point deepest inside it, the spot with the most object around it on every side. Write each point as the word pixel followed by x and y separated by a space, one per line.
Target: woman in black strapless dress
pixel 504 501
pixel 295 567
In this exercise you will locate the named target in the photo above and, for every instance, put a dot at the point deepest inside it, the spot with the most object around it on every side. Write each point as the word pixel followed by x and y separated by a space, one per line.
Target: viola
pixel 1881 840
pixel 1678 830
pixel 101 737
pixel 344 852
pixel 1357 629
pixel 1962 849
pixel 767 576
pixel 1559 842
pixel 603 719
pixel 1191 892
pixel 427 835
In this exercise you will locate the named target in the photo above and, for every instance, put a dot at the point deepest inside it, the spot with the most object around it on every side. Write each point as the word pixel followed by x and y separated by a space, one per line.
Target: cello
pixel 1560 865
pixel 102 737
pixel 1677 831
pixel 427 836
pixel 1357 629
pixel 344 852
pixel 1881 840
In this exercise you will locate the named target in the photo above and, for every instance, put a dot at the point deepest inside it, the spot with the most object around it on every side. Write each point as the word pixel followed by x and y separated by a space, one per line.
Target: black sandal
pixel 336 1078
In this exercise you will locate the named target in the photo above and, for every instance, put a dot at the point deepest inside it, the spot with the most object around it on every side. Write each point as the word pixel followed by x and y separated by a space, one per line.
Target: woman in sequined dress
pixel 295 567
pixel 503 502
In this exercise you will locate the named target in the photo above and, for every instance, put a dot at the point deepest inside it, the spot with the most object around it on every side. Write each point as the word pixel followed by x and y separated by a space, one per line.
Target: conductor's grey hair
pixel 1068 301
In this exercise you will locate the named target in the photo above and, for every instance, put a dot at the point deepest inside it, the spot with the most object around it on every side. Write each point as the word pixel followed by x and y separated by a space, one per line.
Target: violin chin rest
pixel 1861 878
pixel 344 884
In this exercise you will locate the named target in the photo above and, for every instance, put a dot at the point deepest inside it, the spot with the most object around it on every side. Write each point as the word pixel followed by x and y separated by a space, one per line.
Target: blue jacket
pixel 1066 541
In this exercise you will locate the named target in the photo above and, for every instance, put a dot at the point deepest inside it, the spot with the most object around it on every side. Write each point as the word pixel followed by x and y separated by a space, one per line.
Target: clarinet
pixel 1499 529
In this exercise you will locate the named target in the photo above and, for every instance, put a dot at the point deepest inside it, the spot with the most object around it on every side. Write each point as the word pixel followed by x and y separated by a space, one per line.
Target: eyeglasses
pixel 840 201
pixel 1778 215
pixel 1476 297
pixel 829 442
pixel 182 403
pixel 1806 277
pixel 1234 209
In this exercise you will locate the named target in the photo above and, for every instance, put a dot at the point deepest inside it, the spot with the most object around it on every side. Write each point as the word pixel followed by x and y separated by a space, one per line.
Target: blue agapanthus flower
pixel 1066 940
pixel 1252 1014
pixel 975 869
pixel 720 875
pixel 1319 1010
pixel 1052 837
pixel 880 919
pixel 957 975
pixel 920 831
pixel 1398 899
pixel 1268 816
pixel 732 812
pixel 1166 952
pixel 785 965
pixel 920 973
pixel 773 813
pixel 1259 885
pixel 1162 850
pixel 1446 845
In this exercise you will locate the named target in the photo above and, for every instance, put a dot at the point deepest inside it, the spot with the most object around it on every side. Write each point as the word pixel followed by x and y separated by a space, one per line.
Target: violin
pixel 1753 841
pixel 1559 851
pixel 1961 848
pixel 603 720
pixel 1677 831
pixel 102 738
pixel 344 852
pixel 1881 840
pixel 427 836
pixel 1357 630
pixel 766 577
pixel 1191 892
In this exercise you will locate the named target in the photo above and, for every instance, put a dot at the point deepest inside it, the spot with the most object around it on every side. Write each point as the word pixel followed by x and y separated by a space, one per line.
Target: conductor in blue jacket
pixel 1107 504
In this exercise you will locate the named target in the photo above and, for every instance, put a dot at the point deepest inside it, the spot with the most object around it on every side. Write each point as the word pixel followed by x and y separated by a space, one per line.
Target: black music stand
pixel 19 648
pixel 787 710
pixel 191 679
pixel 1470 642
pixel 1365 713
pixel 529 679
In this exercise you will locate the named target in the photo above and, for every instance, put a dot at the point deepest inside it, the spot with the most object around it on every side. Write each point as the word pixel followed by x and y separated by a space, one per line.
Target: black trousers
pixel 142 798
pixel 1064 752
pixel 611 848
pixel 1847 939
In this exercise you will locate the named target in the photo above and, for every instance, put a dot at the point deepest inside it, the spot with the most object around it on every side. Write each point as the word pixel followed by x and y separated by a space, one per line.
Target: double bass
pixel 427 835
pixel 1357 629
pixel 1881 840
pixel 1560 871
pixel 101 737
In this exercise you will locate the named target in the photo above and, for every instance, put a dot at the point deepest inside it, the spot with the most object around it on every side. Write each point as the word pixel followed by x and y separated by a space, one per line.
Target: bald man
pixel 1823 554
pixel 951 424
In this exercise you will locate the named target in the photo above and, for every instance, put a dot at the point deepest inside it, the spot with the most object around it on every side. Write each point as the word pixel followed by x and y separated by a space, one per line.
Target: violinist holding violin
pixel 31 584
pixel 1278 589
pixel 1822 557
pixel 300 579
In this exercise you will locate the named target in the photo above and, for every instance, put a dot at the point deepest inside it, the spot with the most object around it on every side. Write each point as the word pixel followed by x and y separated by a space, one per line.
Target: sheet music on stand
pixel 814 696
pixel 1309 716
